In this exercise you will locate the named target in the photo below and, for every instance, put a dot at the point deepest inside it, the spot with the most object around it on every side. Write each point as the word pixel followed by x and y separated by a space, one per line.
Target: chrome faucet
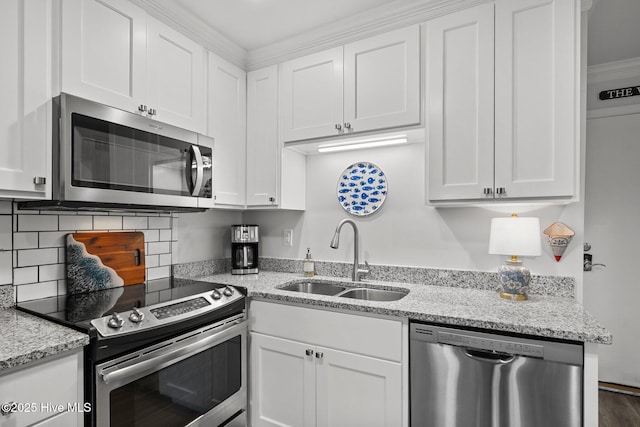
pixel 357 271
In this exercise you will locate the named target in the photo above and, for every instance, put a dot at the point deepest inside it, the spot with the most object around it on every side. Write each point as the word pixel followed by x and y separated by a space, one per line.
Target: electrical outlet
pixel 287 237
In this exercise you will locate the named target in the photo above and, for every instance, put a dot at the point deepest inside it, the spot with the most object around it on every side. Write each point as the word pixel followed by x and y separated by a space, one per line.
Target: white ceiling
pixel 614 25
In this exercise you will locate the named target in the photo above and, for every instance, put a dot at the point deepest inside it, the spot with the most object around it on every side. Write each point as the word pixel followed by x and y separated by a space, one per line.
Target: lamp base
pixel 514 280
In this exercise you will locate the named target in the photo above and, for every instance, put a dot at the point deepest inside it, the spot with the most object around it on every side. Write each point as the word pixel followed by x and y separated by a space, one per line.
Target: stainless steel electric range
pixel 170 352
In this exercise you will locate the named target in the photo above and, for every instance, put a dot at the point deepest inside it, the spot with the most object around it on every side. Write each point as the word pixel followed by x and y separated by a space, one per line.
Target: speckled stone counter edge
pixel 7 298
pixel 557 286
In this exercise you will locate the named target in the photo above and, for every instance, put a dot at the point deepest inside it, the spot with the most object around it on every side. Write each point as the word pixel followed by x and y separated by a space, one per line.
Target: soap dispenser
pixel 308 266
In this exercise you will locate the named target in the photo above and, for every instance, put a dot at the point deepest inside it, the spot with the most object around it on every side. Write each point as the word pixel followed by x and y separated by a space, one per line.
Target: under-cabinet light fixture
pixel 356 144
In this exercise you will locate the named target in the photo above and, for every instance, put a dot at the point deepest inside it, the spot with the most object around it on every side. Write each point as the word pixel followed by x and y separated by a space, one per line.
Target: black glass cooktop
pixel 79 309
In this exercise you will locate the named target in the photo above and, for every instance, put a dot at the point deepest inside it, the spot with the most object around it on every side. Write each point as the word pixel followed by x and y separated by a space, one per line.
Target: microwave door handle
pixel 197 185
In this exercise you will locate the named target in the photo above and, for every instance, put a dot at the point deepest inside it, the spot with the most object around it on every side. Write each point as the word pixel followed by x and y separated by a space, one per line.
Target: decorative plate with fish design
pixel 362 188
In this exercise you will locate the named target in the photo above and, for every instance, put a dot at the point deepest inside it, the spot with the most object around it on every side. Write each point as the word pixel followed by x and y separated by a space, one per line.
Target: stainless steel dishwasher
pixel 462 378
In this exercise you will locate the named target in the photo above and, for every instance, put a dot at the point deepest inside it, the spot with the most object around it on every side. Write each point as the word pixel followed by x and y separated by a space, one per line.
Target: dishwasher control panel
pixel 477 340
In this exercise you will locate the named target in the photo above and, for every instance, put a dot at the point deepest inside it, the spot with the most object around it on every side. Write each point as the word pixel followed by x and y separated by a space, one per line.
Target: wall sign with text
pixel 619 93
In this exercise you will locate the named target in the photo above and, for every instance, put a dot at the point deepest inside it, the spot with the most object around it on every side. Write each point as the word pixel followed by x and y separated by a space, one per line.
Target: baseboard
pixel 619 388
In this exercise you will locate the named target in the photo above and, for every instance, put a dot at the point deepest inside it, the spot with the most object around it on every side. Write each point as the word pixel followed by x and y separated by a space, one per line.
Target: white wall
pixel 204 236
pixel 404 231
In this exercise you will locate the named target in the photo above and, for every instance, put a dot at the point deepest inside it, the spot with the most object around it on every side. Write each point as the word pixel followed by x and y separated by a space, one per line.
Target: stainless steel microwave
pixel 106 158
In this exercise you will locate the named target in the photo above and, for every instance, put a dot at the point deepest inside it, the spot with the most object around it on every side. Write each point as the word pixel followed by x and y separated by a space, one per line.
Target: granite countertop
pixel 542 316
pixel 26 338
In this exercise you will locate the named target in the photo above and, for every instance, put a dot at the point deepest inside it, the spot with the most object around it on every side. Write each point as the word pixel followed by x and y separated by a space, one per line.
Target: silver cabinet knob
pixel 39 180
pixel 501 191
pixel 115 322
pixel 152 111
pixel 487 191
pixel 272 199
pixel 319 355
pixel 142 108
pixel 136 315
pixel 338 126
pixel 308 352
pixel 347 125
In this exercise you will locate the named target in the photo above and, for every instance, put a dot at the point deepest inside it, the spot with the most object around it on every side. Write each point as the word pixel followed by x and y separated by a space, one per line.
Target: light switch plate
pixel 287 237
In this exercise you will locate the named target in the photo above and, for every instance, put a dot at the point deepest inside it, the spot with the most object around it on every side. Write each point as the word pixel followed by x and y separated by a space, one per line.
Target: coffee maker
pixel 244 249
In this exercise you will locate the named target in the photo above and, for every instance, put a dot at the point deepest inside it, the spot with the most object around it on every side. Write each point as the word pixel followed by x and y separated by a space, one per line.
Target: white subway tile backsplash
pixel 52 272
pixel 165 259
pixel 165 235
pixel 158 272
pixel 107 222
pixel 53 239
pixel 151 235
pixel 160 222
pixel 26 240
pixel 36 291
pixel 34 259
pixel 6 228
pixel 158 248
pixel 151 261
pixel 28 257
pixel 6 274
pixel 37 222
pixel 25 275
pixel 76 222
pixel 134 223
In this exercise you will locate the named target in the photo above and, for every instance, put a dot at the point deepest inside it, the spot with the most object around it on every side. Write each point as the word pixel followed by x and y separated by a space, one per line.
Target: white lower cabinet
pixel 44 393
pixel 312 367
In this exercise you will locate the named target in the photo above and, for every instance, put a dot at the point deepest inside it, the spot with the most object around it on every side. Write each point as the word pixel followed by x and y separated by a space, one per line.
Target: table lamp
pixel 514 236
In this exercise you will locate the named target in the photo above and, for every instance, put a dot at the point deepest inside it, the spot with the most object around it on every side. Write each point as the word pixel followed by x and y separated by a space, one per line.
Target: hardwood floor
pixel 618 409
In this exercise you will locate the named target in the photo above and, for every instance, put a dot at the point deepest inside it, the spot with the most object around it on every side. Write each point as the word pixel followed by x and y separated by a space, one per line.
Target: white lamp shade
pixel 519 236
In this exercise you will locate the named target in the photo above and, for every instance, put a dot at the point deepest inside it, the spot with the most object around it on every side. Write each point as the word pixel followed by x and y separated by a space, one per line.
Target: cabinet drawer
pixel 39 389
pixel 370 336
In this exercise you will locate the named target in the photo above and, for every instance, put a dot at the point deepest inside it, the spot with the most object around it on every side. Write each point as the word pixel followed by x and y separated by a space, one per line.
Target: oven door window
pixel 178 394
pixel 111 156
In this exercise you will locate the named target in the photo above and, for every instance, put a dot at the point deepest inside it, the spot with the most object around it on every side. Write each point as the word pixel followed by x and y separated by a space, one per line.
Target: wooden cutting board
pixel 103 260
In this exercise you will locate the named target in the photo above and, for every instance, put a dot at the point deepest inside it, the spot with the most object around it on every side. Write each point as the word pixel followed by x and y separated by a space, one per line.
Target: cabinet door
pixel 104 46
pixel 227 126
pixel 263 151
pixel 459 89
pixel 382 81
pixel 536 97
pixel 282 391
pixel 354 390
pixel 25 104
pixel 176 78
pixel 311 96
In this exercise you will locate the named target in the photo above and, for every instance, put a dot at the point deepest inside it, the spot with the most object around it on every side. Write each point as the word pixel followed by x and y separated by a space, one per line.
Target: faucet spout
pixel 335 242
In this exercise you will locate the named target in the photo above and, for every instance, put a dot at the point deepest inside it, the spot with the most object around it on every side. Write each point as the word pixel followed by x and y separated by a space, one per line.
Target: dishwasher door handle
pixel 489 356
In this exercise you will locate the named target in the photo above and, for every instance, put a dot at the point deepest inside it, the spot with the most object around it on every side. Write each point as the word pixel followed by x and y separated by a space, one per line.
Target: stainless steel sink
pixel 370 294
pixel 314 287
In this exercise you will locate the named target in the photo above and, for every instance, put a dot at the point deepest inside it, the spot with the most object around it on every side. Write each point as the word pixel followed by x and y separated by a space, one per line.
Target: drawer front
pixel 369 336
pixel 41 390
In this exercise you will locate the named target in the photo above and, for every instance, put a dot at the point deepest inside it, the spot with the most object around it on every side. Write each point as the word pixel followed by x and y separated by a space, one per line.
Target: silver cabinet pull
pixel 272 199
pixel 142 108
pixel 308 352
pixel 347 125
pixel 319 355
pixel 501 190
pixel 39 180
pixel 487 191
pixel 338 126
pixel 152 111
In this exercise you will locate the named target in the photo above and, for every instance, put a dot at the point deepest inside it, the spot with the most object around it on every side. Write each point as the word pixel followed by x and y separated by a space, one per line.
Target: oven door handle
pixel 154 363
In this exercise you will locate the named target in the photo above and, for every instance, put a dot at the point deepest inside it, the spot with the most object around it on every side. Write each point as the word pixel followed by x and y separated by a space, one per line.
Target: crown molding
pixel 178 18
pixel 618 70
pixel 373 22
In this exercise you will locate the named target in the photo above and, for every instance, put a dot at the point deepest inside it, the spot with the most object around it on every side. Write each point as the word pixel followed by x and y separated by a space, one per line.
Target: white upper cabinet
pixel 459 64
pixel 537 77
pixel 114 53
pixel 25 104
pixel 519 59
pixel 366 85
pixel 227 125
pixel 275 175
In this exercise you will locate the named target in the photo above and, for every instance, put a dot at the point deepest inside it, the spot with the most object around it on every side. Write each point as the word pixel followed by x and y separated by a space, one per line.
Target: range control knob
pixel 136 315
pixel 115 322
pixel 227 291
pixel 216 295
